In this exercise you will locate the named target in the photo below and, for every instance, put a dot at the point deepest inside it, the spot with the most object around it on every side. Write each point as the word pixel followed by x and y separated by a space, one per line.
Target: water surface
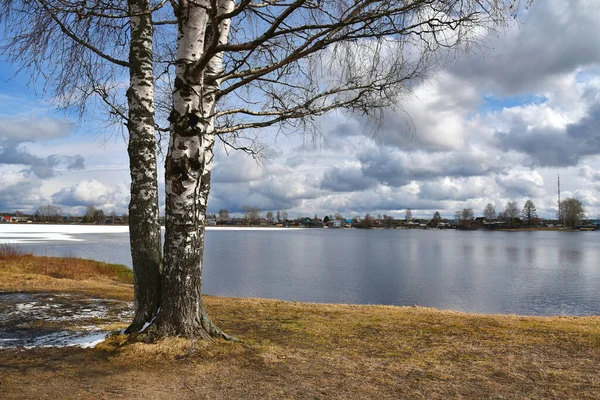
pixel 527 273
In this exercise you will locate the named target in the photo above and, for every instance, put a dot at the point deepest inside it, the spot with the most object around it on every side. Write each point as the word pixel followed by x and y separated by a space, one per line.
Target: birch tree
pixel 81 49
pixel 238 67
pixel 511 212
pixel 254 64
pixel 489 212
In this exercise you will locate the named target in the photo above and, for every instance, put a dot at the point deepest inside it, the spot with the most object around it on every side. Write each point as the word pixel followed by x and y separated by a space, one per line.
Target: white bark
pixel 144 227
pixel 187 173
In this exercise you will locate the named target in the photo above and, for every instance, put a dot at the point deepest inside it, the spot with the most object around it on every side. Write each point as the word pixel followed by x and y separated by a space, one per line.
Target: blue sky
pixel 497 124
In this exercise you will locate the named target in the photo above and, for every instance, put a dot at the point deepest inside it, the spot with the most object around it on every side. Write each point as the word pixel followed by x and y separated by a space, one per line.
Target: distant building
pixel 336 223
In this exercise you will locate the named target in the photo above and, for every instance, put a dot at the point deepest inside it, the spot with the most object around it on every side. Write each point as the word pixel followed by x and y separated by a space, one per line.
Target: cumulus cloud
pixel 346 179
pixel 23 129
pixel 554 37
pixel 456 189
pixel 589 173
pixel 18 191
pixel 521 183
pixel 16 132
pixel 278 188
pixel 93 192
pixel 432 118
pixel 235 168
pixel 551 146
pixel 397 168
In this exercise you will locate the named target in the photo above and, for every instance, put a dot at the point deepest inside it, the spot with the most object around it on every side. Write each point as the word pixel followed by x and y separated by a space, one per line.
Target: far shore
pixel 108 228
pixel 301 350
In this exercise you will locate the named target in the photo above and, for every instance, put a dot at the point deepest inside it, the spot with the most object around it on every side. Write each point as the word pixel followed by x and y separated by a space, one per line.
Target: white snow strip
pixel 27 232
pixel 88 342
pixel 21 238
pixel 62 229
pixel 33 233
pixel 147 324
pixel 85 342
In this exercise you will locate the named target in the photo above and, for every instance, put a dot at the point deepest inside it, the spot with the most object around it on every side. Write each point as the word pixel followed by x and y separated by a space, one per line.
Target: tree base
pixel 160 329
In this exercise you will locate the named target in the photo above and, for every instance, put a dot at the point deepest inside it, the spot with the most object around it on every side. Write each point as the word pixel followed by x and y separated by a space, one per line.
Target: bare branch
pixel 78 40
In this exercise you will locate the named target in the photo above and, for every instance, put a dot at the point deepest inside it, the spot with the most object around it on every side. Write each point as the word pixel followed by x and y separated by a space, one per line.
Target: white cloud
pixel 30 128
pixel 93 192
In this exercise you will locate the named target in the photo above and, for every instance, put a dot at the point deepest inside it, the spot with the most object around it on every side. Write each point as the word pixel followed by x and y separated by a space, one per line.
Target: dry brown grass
pixel 298 350
pixel 24 272
pixel 10 251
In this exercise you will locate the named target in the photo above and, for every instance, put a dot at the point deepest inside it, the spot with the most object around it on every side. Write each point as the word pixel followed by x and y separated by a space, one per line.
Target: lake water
pixel 527 273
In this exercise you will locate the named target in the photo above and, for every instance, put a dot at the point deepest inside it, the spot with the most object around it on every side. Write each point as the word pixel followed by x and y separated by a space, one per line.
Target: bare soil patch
pixel 298 350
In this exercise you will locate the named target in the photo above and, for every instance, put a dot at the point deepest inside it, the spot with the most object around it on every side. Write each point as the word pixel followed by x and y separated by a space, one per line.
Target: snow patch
pixel 63 339
pixel 33 233
pixel 29 320
pixel 147 324
pixel 88 342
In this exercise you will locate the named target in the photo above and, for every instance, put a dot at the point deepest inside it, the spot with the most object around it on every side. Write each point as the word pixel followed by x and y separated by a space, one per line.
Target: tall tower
pixel 559 219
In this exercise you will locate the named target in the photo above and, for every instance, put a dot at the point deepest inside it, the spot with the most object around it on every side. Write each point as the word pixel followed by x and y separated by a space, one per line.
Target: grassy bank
pixel 24 272
pixel 298 350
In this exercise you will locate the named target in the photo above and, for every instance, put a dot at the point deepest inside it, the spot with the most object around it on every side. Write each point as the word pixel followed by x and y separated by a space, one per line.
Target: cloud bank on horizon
pixel 495 125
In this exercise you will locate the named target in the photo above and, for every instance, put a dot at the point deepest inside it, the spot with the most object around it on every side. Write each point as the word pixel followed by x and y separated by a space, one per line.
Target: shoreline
pixel 115 281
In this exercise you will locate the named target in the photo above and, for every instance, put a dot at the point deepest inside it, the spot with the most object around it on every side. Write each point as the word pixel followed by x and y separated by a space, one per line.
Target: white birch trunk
pixel 144 227
pixel 187 175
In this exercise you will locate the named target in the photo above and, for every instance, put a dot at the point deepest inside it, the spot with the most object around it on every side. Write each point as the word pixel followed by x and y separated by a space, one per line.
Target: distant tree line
pixel 570 214
pixel 252 216
pixel 93 215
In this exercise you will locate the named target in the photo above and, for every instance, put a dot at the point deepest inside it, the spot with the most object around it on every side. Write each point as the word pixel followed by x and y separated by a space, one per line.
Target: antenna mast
pixel 559 219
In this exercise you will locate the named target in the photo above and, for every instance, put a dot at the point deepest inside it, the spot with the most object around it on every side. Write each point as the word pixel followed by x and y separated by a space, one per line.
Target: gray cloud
pixel 30 129
pixel 41 167
pixel 236 168
pixel 14 132
pixel 295 161
pixel 553 147
pixel 521 184
pixel 398 168
pixel 394 202
pixel 234 197
pixel 280 188
pixel 93 192
pixel 556 37
pixel 462 190
pixel 76 163
pixel 346 179
pixel 21 195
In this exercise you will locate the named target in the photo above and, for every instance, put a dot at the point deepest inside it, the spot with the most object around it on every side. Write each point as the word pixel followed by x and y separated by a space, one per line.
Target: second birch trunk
pixel 144 226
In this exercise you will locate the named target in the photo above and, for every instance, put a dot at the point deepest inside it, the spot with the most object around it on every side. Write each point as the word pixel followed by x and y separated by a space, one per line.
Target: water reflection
pixel 532 273
pixel 570 256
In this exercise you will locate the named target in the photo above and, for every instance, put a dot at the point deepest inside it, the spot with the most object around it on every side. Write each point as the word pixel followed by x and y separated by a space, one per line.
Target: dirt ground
pixel 293 350
pixel 300 351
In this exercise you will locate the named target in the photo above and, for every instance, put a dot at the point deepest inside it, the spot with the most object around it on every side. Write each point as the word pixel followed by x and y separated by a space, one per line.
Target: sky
pixel 496 124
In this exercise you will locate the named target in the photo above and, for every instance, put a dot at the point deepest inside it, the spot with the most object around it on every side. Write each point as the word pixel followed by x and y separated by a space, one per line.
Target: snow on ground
pixel 31 320
pixel 39 233
pixel 64 229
